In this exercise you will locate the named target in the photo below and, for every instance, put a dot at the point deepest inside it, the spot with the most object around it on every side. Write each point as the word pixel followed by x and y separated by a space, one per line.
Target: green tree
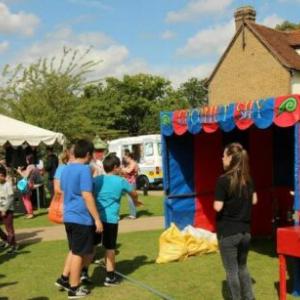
pixel 287 26
pixel 102 108
pixel 194 91
pixel 132 105
pixel 46 93
pixel 131 102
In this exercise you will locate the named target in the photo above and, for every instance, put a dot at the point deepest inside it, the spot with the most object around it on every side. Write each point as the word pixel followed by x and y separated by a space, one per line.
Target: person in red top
pixel 130 172
pixel 32 173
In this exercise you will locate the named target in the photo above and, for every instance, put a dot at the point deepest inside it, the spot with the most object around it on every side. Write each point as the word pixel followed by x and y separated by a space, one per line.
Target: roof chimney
pixel 244 13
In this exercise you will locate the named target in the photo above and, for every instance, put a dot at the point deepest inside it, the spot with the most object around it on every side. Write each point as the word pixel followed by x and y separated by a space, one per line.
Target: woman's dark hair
pixel 238 169
pixel 30 159
pixel 131 155
pixel 110 162
pixel 126 152
pixel 82 148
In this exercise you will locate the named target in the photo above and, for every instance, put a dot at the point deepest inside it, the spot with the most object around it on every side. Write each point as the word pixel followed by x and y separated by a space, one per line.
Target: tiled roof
pixel 294 38
pixel 280 44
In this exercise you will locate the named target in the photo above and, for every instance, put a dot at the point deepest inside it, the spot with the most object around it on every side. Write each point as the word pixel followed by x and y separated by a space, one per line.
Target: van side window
pixel 124 147
pixel 148 149
pixel 159 148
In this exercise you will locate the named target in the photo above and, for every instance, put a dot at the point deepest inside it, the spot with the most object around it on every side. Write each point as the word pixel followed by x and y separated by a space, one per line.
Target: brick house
pixel 259 62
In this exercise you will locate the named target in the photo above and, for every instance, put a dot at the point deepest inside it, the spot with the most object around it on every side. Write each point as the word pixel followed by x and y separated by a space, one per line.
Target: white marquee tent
pixel 16 133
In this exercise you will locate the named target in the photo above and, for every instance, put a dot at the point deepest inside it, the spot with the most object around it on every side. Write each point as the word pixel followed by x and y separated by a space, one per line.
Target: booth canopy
pixel 192 147
pixel 284 111
pixel 16 133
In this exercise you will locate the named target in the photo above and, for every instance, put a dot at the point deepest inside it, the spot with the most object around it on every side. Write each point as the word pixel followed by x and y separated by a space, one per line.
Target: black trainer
pixel 12 250
pixel 111 281
pixel 62 284
pixel 85 278
pixel 80 292
pixel 3 245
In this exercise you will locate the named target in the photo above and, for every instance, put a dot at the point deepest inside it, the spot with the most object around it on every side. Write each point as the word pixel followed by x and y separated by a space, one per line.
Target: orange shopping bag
pixel 55 212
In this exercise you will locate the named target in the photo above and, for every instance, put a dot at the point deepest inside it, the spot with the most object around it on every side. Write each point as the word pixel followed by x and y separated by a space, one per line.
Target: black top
pixel 51 165
pixel 235 215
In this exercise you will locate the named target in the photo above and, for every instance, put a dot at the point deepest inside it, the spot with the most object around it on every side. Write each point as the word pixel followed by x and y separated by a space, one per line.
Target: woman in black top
pixel 234 197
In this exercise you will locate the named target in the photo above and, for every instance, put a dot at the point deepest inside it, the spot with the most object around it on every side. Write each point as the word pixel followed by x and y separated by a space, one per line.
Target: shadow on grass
pixel 7 284
pixel 143 213
pixel 128 266
pixel 139 213
pixel 25 238
pixel 124 267
pixel 5 257
pixel 4 284
pixel 100 252
pixel 265 246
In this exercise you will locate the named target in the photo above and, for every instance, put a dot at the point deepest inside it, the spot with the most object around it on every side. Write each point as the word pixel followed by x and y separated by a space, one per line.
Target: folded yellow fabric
pixel 177 246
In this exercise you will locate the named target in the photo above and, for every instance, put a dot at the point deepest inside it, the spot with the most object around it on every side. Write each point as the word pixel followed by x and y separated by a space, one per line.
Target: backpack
pixel 23 185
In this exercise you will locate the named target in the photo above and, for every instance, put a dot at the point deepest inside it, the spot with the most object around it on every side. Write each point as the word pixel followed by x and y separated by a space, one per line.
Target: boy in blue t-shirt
pixel 108 190
pixel 80 217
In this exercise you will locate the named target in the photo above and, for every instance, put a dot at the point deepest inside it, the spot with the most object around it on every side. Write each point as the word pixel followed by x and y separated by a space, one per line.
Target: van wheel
pixel 142 183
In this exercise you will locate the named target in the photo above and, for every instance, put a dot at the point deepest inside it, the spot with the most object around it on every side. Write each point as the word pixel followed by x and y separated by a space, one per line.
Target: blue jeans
pixel 234 252
pixel 132 208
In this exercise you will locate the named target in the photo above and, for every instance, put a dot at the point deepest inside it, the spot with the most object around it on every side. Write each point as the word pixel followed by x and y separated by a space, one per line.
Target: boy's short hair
pixel 82 148
pixel 3 171
pixel 110 162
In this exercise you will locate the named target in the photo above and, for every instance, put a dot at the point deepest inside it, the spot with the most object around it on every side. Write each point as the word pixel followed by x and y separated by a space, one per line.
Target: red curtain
pixel 208 153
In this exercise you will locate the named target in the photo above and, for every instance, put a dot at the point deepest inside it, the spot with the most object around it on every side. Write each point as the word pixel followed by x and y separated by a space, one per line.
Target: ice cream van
pixel 147 152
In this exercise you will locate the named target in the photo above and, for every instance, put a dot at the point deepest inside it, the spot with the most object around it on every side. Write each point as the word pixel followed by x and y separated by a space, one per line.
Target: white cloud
pixel 168 35
pixel 20 23
pixel 4 46
pixel 213 40
pixel 182 74
pixel 272 20
pixel 114 58
pixel 196 9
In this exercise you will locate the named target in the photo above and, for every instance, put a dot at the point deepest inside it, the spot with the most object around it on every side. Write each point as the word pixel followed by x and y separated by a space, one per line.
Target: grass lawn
pixel 31 273
pixel 153 206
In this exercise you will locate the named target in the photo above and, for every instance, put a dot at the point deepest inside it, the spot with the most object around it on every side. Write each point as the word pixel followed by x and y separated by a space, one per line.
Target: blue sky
pixel 177 39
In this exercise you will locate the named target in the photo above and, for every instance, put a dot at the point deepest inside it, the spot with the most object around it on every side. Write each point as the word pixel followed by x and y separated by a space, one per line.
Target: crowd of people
pixel 91 213
pixel 92 184
pixel 54 167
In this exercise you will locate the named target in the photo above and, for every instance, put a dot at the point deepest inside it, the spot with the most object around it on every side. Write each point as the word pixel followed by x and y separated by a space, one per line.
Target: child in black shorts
pixel 81 218
pixel 108 190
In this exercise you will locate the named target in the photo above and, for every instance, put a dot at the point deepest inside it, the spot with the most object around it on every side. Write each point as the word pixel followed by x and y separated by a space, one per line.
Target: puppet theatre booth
pixel 193 143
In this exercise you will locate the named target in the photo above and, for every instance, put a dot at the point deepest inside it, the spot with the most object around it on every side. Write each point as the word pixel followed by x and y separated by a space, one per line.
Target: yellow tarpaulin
pixel 176 246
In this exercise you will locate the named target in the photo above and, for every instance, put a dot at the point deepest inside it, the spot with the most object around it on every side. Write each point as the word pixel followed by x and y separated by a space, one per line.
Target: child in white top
pixel 6 212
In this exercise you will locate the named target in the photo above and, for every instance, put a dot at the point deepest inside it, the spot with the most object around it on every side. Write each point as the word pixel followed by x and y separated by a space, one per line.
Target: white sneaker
pixel 79 293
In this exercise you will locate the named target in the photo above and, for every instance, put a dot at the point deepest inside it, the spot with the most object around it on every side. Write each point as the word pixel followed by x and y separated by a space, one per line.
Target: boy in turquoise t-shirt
pixel 108 190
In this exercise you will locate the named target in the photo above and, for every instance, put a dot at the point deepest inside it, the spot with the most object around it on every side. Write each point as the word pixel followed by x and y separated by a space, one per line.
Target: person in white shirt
pixel 100 147
pixel 7 211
